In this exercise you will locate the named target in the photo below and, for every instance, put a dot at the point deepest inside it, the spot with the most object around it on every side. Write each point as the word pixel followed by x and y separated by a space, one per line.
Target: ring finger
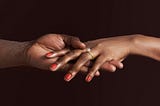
pixel 97 65
pixel 83 59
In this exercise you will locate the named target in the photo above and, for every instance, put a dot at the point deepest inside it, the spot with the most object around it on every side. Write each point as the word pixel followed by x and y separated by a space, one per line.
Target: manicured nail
pixel 68 76
pixel 53 66
pixel 88 78
pixel 50 54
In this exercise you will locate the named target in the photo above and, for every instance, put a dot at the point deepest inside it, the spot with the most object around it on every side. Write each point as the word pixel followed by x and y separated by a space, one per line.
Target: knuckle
pixel 99 45
pixel 77 67
pixel 85 56
pixel 66 59
pixel 75 38
pixel 50 35
pixel 74 52
pixel 108 59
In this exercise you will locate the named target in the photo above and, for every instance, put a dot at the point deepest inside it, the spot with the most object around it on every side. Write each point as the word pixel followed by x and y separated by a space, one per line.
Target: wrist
pixel 146 46
pixel 23 52
pixel 135 44
pixel 19 54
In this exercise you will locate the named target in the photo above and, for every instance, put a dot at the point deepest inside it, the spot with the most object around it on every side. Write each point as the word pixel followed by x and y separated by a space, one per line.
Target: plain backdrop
pixel 136 85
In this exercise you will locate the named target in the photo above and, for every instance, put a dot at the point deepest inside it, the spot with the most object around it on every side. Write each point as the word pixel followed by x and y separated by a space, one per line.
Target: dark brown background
pixel 136 85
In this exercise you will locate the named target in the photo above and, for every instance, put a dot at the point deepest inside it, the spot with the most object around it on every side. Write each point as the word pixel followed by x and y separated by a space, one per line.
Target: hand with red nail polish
pixel 107 53
pixel 45 51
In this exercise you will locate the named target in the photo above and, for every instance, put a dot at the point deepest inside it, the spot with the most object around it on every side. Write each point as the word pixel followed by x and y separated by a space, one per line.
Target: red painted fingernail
pixel 54 66
pixel 89 78
pixel 49 54
pixel 68 76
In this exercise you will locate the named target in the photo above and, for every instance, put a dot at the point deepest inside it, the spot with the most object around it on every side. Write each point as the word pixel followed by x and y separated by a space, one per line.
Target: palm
pixel 37 50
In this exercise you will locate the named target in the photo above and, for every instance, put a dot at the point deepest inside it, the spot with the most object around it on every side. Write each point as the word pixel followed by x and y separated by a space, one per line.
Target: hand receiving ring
pixel 88 51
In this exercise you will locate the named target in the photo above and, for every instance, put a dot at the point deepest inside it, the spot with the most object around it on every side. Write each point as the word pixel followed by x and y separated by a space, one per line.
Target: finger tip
pixel 88 78
pixel 121 65
pixel 97 73
pixel 82 45
pixel 50 55
pixel 53 67
pixel 67 77
pixel 113 69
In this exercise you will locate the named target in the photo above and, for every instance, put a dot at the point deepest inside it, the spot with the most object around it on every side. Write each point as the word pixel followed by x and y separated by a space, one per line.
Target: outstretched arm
pixel 115 48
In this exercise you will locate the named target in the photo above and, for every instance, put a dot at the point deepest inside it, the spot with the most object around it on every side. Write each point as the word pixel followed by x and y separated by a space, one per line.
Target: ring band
pixel 89 52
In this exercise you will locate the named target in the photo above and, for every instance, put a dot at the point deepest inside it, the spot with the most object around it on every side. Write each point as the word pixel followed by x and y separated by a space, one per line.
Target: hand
pixel 103 50
pixel 47 50
pixel 48 44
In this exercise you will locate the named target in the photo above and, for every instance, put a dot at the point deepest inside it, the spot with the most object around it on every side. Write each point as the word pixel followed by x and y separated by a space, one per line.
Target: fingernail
pixel 50 54
pixel 88 78
pixel 68 76
pixel 53 66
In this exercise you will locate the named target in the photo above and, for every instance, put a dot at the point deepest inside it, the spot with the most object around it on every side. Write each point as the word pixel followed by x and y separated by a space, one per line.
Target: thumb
pixel 73 42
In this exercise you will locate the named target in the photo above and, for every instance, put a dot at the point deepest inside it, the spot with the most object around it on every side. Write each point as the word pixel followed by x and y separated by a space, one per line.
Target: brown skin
pixel 32 53
pixel 114 49
pixel 108 52
pixel 36 51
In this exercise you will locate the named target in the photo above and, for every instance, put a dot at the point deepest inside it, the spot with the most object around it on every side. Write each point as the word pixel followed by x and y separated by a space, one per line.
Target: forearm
pixel 12 53
pixel 146 46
